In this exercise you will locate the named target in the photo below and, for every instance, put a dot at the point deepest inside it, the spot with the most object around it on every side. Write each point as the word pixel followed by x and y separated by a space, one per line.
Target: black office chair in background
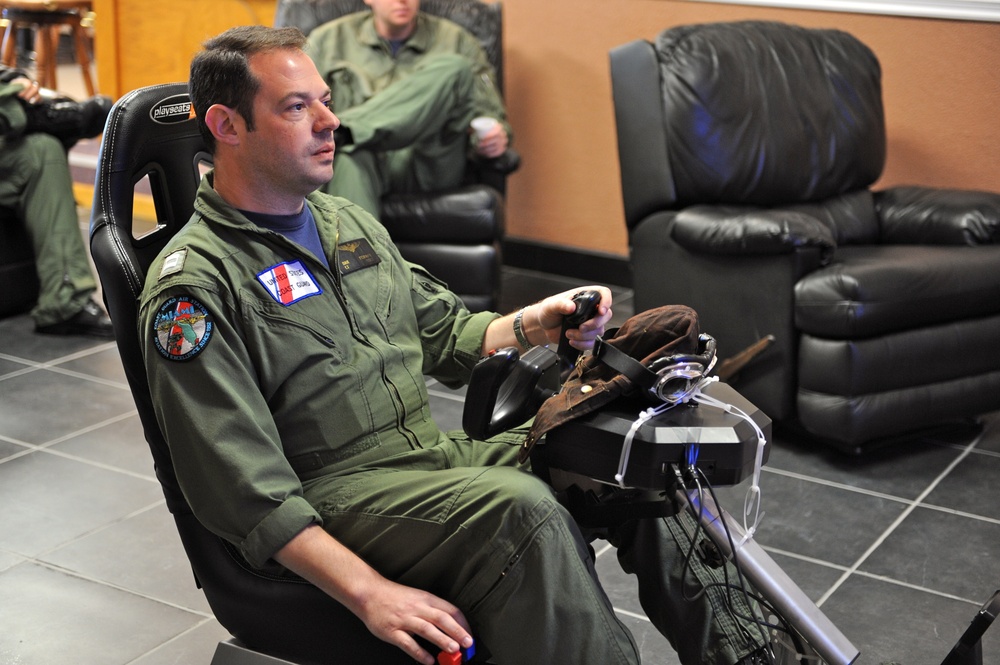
pixel 149 136
pixel 747 153
pixel 455 234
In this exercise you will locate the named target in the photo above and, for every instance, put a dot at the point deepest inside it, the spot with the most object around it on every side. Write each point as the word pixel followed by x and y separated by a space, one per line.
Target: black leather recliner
pixel 18 275
pixel 455 234
pixel 747 151
pixel 282 616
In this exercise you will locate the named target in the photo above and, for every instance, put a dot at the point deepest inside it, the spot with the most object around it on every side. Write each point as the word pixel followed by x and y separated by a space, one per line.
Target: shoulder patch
pixel 182 329
pixel 173 263
pixel 289 282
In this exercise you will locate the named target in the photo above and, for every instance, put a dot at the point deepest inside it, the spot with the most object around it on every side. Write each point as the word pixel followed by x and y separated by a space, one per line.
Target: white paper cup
pixel 482 125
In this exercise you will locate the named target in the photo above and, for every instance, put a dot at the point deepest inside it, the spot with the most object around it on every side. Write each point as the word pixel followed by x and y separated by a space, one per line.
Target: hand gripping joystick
pixel 586 307
pixel 506 388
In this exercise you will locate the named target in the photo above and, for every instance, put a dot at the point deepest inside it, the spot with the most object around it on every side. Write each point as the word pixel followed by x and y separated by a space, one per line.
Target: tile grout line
pixel 180 635
pixel 118 587
pixel 899 520
pixel 890 497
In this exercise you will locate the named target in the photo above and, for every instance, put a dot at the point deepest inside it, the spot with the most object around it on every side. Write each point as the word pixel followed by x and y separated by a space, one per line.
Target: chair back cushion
pixel 149 133
pixel 481 19
pixel 768 113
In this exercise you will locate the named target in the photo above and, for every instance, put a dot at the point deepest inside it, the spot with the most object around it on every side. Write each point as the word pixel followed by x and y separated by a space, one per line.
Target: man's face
pixel 291 148
pixel 394 19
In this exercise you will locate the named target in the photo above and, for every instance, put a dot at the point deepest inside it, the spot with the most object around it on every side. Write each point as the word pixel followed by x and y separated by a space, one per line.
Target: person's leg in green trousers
pixel 461 521
pixel 35 181
pixel 410 137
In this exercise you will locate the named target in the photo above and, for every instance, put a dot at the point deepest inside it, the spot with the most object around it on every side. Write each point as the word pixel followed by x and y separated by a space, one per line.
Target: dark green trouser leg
pixel 695 617
pixel 36 182
pixel 410 137
pixel 459 521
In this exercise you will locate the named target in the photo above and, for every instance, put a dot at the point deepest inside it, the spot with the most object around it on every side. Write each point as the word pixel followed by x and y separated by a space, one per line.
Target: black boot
pixel 68 120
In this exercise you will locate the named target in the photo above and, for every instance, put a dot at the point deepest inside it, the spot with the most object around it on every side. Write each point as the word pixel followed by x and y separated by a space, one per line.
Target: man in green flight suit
pixel 406 86
pixel 35 182
pixel 286 341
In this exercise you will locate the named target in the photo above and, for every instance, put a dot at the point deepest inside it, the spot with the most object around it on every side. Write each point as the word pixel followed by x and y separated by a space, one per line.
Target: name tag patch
pixel 182 328
pixel 289 282
pixel 356 255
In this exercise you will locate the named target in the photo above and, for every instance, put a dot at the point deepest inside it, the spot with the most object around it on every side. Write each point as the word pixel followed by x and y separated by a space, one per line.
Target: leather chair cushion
pixel 720 123
pixel 919 357
pixel 913 215
pixel 463 216
pixel 875 290
pixel 852 423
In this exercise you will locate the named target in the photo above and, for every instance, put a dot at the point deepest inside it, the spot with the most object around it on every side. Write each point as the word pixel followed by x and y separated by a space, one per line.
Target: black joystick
pixel 586 307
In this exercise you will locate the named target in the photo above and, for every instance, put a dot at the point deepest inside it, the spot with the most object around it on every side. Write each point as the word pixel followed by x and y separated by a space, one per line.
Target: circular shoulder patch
pixel 182 328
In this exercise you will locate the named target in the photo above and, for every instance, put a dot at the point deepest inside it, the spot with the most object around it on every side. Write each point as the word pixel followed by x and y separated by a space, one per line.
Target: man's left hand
pixel 494 143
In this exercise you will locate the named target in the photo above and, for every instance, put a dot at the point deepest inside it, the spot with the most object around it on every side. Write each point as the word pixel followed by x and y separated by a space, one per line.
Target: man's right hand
pixel 30 91
pixel 395 613
pixel 392 612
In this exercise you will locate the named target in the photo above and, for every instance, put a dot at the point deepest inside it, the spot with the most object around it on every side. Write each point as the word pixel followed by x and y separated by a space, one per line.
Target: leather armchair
pixel 747 154
pixel 455 233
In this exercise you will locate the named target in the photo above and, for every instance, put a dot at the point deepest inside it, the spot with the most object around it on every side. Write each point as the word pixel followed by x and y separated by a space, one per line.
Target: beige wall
pixel 941 87
pixel 941 80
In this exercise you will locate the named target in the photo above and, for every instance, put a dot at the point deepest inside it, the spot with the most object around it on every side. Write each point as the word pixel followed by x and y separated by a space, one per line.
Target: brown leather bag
pixel 647 336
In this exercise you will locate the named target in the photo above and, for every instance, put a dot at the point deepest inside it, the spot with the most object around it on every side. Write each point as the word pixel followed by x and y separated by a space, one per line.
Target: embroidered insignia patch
pixel 289 282
pixel 182 328
pixel 355 255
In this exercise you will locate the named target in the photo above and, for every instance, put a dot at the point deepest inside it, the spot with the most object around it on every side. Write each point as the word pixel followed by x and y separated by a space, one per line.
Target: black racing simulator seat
pixel 150 136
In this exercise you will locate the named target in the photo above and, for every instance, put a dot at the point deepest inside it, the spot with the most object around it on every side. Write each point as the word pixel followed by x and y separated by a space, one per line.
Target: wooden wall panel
pixel 140 43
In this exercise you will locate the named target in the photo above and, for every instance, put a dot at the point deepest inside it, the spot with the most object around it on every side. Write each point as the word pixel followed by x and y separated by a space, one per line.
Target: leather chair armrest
pixel 505 164
pixel 750 231
pixel 923 215
pixel 466 215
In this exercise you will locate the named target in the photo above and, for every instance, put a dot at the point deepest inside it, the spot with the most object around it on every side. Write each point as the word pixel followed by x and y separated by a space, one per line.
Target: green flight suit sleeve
pixel 487 100
pixel 12 116
pixel 224 444
pixel 451 335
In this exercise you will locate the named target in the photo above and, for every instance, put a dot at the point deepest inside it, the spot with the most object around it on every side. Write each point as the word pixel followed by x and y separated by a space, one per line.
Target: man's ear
pixel 224 123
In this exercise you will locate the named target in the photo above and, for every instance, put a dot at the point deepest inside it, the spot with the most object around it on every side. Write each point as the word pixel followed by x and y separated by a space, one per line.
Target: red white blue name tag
pixel 289 282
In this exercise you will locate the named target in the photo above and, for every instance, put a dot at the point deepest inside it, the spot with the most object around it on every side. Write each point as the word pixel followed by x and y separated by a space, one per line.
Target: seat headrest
pixel 150 139
pixel 767 113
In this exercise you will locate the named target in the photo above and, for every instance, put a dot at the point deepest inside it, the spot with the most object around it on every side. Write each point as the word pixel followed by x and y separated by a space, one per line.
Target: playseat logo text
pixel 176 108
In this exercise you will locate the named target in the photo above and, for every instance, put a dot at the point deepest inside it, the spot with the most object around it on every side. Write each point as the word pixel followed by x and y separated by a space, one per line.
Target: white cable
pixel 627 446
pixel 751 503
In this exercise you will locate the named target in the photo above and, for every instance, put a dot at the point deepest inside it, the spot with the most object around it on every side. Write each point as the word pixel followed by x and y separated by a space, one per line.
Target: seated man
pixel 406 86
pixel 35 181
pixel 286 342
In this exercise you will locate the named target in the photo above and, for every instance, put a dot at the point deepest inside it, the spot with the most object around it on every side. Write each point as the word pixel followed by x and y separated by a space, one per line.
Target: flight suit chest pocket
pixel 367 280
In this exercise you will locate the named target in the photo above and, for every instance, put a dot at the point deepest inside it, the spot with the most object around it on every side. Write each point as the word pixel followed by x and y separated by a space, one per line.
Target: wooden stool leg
pixel 45 56
pixel 10 45
pixel 83 57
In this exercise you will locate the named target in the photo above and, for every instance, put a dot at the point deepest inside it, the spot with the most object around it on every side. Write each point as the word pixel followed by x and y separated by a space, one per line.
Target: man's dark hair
pixel 220 72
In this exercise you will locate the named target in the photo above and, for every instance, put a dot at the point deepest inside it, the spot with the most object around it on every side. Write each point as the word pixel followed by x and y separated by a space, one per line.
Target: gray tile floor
pixel 898 548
